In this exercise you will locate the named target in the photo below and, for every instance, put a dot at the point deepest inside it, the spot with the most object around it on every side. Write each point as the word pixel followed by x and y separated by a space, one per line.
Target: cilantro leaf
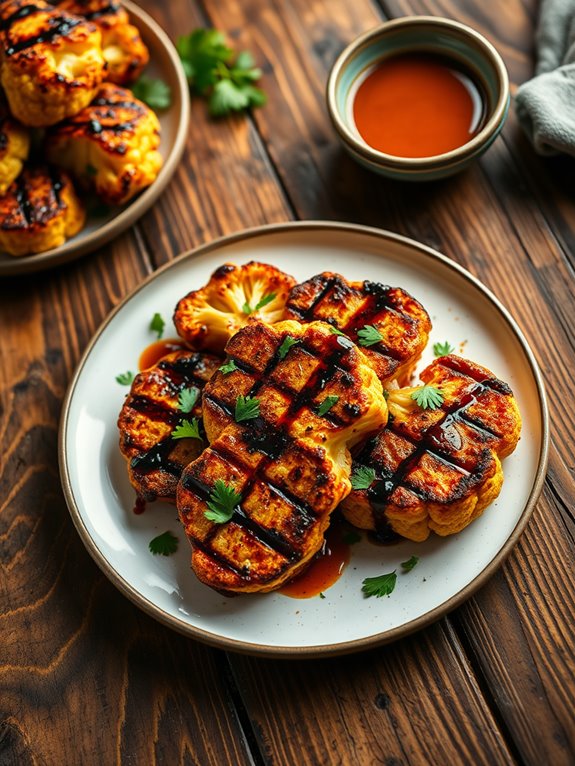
pixel 212 72
pixel 188 398
pixel 125 378
pixel 369 335
pixel 321 594
pixel 288 342
pixel 247 408
pixel 188 429
pixel 228 367
pixel 327 404
pixel 428 397
pixel 154 93
pixel 443 349
pixel 336 331
pixel 408 565
pixel 383 585
pixel 363 477
pixel 157 324
pixel 164 544
pixel 223 499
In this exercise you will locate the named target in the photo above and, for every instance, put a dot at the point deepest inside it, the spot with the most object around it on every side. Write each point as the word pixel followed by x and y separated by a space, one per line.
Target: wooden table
pixel 87 678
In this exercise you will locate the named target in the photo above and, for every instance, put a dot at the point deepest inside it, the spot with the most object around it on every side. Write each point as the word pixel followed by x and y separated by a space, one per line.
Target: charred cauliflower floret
pixel 124 51
pixel 436 469
pixel 51 61
pixel 39 211
pixel 110 146
pixel 235 295
pixel 14 148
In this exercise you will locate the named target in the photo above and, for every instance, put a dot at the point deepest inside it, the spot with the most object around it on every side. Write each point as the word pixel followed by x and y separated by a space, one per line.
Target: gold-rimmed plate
pixel 101 499
pixel 101 227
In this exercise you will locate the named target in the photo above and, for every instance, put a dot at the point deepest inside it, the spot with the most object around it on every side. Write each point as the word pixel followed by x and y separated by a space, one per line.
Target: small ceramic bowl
pixel 419 34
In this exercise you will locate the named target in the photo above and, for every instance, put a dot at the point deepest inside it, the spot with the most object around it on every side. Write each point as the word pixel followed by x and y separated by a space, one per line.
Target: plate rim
pixel 320 650
pixel 117 225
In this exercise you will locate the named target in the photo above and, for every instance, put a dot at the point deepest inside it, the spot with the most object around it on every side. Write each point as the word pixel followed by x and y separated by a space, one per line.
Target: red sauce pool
pixel 324 570
pixel 155 351
pixel 418 105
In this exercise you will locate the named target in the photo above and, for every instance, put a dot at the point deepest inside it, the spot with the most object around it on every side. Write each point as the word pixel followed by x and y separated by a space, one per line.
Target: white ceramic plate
pixel 100 229
pixel 101 499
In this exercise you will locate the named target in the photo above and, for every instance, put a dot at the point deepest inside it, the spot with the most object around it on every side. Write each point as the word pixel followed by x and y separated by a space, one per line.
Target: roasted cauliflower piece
pixel 124 51
pixel 233 297
pixel 157 404
pixel 51 61
pixel 389 325
pixel 283 451
pixel 14 149
pixel 436 470
pixel 39 211
pixel 110 146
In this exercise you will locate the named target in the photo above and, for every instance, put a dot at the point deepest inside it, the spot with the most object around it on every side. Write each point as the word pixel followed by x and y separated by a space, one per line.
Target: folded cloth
pixel 545 105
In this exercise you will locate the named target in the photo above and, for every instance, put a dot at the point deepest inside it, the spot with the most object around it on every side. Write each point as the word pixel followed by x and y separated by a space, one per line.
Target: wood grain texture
pixel 85 677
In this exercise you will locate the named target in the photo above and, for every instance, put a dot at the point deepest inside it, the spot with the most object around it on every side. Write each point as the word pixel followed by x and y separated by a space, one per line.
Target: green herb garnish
pixel 247 408
pixel 443 349
pixel 164 544
pixel 428 397
pixel 363 477
pixel 369 335
pixel 157 325
pixel 383 585
pixel 327 404
pixel 288 342
pixel 125 378
pixel 247 309
pixel 227 81
pixel 154 93
pixel 228 367
pixel 188 429
pixel 408 565
pixel 223 499
pixel 188 398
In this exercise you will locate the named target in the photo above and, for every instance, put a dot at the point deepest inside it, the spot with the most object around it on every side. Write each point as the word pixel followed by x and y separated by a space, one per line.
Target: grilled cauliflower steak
pixel 51 61
pixel 233 297
pixel 14 149
pixel 111 145
pixel 437 470
pixel 288 462
pixel 152 411
pixel 391 327
pixel 39 211
pixel 124 51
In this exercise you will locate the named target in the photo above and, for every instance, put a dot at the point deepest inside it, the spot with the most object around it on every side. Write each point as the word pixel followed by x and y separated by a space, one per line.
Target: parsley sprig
pixel 363 477
pixel 187 398
pixel 154 93
pixel 382 585
pixel 222 501
pixel 268 298
pixel 125 378
pixel 443 349
pixel 157 325
pixel 164 544
pixel 408 565
pixel 228 367
pixel 287 343
pixel 327 404
pixel 369 336
pixel 216 73
pixel 428 397
pixel 187 429
pixel 247 408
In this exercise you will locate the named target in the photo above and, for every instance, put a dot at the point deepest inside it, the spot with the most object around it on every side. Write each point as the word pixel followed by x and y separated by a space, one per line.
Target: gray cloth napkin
pixel 545 105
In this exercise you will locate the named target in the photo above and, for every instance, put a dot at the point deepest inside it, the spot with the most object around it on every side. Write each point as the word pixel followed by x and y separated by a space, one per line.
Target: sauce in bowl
pixel 418 105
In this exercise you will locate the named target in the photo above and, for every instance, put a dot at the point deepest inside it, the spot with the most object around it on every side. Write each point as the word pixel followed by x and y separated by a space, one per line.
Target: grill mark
pixel 23 200
pixel 107 10
pixel 156 459
pixel 380 492
pixel 23 12
pixel 218 558
pixel 154 410
pixel 307 313
pixel 3 133
pixel 57 186
pixel 59 27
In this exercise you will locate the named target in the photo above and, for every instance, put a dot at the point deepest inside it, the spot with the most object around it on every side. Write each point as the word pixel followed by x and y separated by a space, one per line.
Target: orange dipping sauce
pixel 418 105
pixel 155 351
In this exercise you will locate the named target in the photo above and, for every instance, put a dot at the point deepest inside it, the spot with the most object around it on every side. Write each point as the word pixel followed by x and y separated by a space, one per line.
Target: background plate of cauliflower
pixel 81 158
pixel 343 619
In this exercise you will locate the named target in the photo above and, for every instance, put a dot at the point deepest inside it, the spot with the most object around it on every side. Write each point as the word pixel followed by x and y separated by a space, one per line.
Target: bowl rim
pixel 466 150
